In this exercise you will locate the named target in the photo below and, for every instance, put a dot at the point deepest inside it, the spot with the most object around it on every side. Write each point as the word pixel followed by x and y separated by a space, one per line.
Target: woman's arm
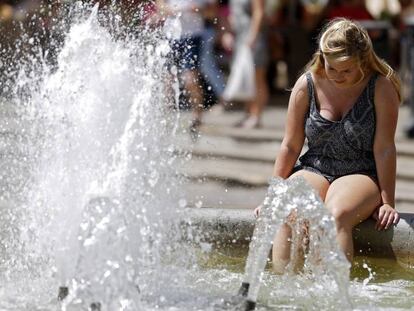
pixel 386 109
pixel 294 136
pixel 256 23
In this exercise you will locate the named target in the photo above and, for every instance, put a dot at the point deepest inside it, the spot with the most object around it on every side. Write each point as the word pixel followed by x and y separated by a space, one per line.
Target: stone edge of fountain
pixel 234 227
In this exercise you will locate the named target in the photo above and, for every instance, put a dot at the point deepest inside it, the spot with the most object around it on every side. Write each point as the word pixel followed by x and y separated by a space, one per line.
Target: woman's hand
pixel 257 211
pixel 227 41
pixel 385 215
pixel 251 42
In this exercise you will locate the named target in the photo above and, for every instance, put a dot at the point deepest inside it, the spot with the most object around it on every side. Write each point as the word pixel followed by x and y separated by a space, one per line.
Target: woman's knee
pixel 286 230
pixel 341 213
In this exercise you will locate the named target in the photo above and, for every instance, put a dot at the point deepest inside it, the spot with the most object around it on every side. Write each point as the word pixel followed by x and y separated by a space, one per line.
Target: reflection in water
pixel 391 287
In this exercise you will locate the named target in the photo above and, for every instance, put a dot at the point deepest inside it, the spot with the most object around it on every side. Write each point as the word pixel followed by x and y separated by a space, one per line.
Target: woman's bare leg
pixel 192 85
pixel 281 243
pixel 351 199
pixel 255 107
pixel 281 249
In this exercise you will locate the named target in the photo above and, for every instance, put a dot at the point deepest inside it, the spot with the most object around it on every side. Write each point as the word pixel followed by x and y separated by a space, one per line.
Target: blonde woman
pixel 346 106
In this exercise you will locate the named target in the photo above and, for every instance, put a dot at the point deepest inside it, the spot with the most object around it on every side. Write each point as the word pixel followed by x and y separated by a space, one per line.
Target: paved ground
pixel 230 166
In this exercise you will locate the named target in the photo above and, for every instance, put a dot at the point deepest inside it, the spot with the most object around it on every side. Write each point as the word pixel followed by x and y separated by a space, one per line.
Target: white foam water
pixel 95 212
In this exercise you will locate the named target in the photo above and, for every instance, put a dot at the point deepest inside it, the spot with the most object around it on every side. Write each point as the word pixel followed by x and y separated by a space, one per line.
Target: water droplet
pixel 182 203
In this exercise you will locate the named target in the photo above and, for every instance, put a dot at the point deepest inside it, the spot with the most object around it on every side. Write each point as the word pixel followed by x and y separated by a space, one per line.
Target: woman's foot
pixel 194 129
pixel 217 109
pixel 220 107
pixel 249 122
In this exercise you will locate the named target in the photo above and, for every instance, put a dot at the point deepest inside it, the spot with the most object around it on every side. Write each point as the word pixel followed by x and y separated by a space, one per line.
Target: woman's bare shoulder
pixel 299 96
pixel 385 90
pixel 301 85
pixel 383 81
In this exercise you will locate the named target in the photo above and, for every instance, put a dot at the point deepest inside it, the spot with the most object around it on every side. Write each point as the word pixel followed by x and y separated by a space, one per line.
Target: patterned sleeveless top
pixel 338 148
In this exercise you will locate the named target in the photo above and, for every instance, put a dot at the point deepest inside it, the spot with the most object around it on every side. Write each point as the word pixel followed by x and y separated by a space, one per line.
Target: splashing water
pixel 94 136
pixel 324 260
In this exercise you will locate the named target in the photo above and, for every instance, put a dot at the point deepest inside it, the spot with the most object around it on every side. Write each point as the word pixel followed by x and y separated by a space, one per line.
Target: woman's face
pixel 342 73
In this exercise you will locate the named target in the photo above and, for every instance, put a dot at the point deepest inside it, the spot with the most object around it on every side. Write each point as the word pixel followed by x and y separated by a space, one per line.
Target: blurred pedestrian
pixel 351 9
pixel 407 58
pixel 248 28
pixel 209 68
pixel 187 49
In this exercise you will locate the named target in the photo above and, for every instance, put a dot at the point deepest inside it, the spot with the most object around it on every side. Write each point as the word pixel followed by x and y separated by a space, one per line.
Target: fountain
pixel 92 152
pixel 323 257
pixel 91 201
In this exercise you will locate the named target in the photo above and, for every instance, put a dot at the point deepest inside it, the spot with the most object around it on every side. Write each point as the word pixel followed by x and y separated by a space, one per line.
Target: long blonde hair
pixel 342 39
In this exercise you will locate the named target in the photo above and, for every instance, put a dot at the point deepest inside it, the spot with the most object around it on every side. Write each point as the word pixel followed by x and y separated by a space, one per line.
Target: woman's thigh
pixel 318 182
pixel 353 198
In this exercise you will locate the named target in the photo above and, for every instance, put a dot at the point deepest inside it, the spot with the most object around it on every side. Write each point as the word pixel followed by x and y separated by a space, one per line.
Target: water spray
pixel 283 198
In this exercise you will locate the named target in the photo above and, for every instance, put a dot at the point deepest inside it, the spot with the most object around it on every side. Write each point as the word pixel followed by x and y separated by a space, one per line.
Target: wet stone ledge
pixel 234 227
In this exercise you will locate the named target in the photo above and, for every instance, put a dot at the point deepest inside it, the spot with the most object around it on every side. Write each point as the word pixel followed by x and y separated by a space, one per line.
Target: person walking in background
pixel 354 9
pixel 187 49
pixel 406 23
pixel 247 22
pixel 346 106
pixel 209 68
